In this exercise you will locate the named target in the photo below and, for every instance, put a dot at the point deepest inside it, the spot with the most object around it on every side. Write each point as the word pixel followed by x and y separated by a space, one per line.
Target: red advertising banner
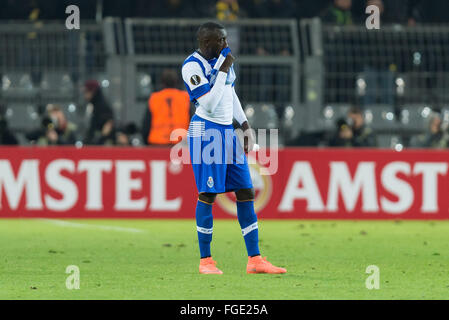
pixel 66 182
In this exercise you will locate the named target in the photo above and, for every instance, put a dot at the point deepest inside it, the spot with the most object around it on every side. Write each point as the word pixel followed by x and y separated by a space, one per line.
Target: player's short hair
pixel 208 27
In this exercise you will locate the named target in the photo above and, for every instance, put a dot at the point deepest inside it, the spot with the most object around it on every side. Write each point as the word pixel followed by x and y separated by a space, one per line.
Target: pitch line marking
pixel 63 223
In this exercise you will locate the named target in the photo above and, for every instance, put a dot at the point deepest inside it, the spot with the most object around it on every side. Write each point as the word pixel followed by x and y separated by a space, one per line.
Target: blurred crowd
pixel 352 131
pixel 336 11
pixel 170 108
pixel 167 109
pixel 53 128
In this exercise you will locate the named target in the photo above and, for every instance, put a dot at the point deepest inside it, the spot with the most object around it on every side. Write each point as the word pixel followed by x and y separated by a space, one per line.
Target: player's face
pixel 218 42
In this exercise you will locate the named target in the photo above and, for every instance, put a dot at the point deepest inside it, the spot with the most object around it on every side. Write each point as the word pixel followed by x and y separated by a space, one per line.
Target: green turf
pixel 325 260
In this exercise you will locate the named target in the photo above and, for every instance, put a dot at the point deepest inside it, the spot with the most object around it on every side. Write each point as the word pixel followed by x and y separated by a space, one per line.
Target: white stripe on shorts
pixel 197 129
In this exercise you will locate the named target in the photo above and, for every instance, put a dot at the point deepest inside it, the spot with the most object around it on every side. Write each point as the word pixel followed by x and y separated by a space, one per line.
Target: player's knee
pixel 207 197
pixel 245 194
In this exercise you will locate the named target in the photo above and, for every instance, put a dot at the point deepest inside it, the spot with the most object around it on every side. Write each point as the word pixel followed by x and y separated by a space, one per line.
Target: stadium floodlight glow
pixel 135 142
pixel 289 113
pixel 405 116
pixel 33 114
pixel 400 83
pixel 425 113
pixel 416 58
pixel 249 111
pixel 328 112
pixel 6 83
pixel 368 116
pixel 389 116
pixel 145 80
pixel 361 86
pixel 445 116
pixel 71 108
pixel 398 147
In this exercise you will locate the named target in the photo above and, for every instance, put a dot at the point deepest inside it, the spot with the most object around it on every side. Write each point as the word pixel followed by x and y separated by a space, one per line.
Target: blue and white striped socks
pixel 204 223
pixel 248 222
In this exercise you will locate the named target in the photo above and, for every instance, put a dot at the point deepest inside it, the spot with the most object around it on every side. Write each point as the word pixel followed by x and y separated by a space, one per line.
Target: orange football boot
pixel 207 266
pixel 258 264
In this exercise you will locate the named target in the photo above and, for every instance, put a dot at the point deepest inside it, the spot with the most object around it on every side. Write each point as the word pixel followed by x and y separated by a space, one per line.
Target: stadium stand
pixel 305 75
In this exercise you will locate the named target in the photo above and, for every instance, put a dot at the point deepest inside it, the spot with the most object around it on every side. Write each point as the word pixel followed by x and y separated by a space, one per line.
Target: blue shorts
pixel 218 161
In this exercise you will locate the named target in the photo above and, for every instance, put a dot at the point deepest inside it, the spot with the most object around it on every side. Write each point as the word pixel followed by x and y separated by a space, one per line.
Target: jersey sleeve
pixel 238 112
pixel 195 80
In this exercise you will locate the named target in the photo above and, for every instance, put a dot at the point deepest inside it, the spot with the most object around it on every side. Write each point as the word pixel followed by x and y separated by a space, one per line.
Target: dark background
pixel 423 11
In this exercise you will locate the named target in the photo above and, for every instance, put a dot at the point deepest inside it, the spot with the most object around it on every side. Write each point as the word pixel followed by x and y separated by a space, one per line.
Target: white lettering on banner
pixel 364 182
pixel 27 179
pixel 377 189
pixel 124 185
pixel 430 172
pixel 94 172
pixel 65 186
pixel 158 188
pixel 398 187
pixel 301 173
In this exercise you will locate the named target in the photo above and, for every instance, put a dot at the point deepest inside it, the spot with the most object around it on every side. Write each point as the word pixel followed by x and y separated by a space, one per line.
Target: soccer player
pixel 209 77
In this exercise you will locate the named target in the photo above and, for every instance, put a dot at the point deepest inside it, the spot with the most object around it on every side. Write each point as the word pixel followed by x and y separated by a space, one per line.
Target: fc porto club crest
pixel 210 182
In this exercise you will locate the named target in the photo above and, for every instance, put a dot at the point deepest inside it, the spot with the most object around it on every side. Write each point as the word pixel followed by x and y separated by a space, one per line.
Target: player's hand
pixel 226 65
pixel 249 140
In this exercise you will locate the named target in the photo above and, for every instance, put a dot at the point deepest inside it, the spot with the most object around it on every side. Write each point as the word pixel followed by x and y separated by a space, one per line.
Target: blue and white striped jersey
pixel 200 77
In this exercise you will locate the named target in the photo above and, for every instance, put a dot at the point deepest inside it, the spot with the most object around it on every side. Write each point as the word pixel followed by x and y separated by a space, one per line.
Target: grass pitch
pixel 155 259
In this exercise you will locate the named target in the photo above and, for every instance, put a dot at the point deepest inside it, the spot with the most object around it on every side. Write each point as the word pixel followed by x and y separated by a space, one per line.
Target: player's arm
pixel 240 117
pixel 239 114
pixel 199 86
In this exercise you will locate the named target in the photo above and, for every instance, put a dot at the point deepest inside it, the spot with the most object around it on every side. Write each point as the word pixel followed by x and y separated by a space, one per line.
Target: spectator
pixel 430 11
pixel 398 11
pixel 363 136
pixel 339 12
pixel 123 136
pixel 55 129
pixel 270 8
pixel 436 137
pixel 101 128
pixel 353 132
pixel 168 109
pixel 122 139
pixel 227 10
pixel 6 136
pixel 343 135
